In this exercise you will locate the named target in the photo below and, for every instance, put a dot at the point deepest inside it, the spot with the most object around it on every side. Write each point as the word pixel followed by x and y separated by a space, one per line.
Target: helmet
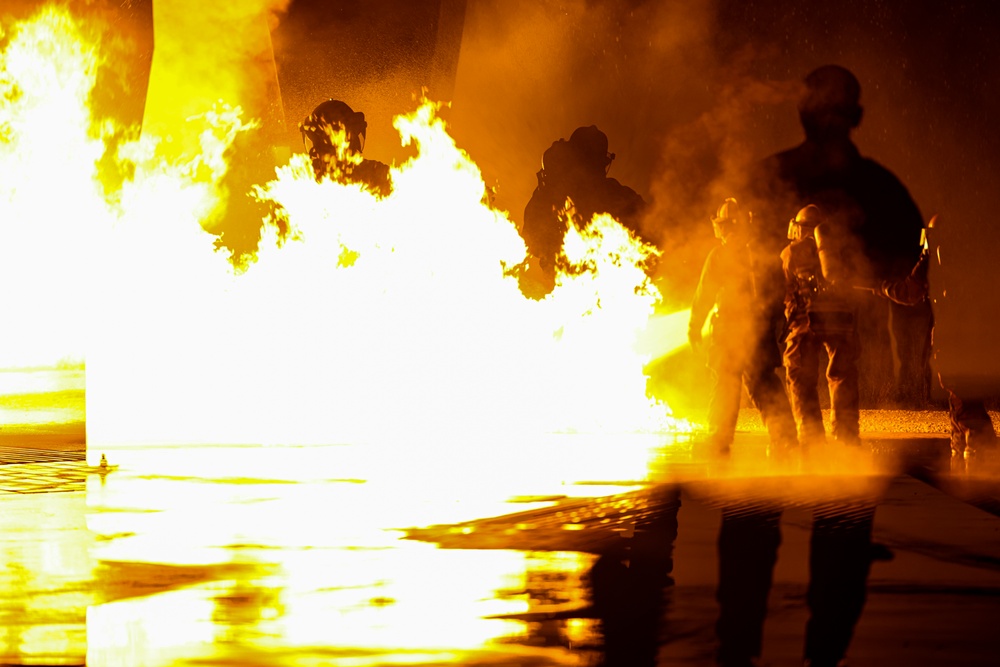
pixel 326 118
pixel 727 217
pixel 592 147
pixel 559 158
pixel 804 222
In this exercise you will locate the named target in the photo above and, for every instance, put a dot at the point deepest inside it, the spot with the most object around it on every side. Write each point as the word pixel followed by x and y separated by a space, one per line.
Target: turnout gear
pixel 573 170
pixel 742 350
pixel 914 287
pixel 820 313
pixel 862 197
pixel 813 266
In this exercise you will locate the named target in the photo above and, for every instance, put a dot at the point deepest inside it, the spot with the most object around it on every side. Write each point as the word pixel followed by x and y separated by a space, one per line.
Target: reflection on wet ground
pixel 45 578
pixel 299 556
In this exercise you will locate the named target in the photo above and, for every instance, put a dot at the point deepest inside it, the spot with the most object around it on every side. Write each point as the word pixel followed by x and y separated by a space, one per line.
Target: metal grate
pixel 50 477
pixel 15 455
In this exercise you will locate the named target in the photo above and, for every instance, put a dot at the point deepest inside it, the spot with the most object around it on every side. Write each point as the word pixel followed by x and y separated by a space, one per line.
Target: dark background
pixel 688 92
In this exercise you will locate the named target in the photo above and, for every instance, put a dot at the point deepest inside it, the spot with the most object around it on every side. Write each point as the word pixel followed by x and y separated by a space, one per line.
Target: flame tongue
pixel 48 203
pixel 421 333
pixel 375 320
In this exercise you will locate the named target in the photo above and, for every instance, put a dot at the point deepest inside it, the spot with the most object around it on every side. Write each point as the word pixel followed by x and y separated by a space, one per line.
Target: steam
pixel 530 73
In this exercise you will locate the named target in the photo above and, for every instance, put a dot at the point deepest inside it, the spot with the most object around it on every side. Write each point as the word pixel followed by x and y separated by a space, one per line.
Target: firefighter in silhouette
pixel 973 437
pixel 857 194
pixel 743 349
pixel 575 170
pixel 334 136
pixel 820 309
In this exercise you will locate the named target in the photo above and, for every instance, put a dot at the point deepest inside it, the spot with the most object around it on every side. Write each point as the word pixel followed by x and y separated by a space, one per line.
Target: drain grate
pixel 48 477
pixel 15 455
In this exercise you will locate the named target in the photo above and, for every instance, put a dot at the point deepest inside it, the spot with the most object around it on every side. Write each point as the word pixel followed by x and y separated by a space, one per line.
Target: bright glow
pixel 384 321
pixel 49 202
pixel 421 336
pixel 664 334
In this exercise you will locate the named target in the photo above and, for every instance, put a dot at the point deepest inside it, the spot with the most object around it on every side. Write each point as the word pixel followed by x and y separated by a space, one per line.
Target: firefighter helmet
pixel 804 222
pixel 726 218
pixel 559 158
pixel 592 147
pixel 326 118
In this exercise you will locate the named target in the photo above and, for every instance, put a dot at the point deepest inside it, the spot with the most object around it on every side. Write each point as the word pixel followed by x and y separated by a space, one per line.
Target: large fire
pixel 49 205
pixel 394 321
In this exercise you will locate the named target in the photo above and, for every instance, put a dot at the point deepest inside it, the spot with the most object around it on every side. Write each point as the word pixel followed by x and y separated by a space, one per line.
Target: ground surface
pixel 245 556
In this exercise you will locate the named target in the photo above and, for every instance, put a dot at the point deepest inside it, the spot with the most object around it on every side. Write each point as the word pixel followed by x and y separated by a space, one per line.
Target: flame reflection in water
pixel 228 565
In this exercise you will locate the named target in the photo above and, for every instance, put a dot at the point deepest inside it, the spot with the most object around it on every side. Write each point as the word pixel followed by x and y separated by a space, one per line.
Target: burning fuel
pixel 424 331
pixel 422 337
pixel 49 206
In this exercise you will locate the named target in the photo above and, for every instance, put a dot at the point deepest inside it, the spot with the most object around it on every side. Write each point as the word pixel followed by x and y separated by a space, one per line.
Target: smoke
pixel 375 56
pixel 530 73
pixel 675 106
pixel 701 164
pixel 691 94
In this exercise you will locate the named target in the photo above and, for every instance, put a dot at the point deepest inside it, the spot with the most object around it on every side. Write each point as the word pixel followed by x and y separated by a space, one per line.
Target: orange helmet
pixel 726 218
pixel 804 222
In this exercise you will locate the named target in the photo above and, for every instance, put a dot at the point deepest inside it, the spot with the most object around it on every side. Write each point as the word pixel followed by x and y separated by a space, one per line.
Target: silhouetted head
pixel 591 146
pixel 559 162
pixel 326 119
pixel 727 219
pixel 830 104
pixel 805 222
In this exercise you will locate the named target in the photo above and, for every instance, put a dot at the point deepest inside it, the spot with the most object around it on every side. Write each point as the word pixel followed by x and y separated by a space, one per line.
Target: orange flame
pixel 48 202
pixel 423 336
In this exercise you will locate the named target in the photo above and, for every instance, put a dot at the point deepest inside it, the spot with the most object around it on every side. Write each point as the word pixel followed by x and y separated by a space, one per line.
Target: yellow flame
pixel 421 351
pixel 48 199
pixel 424 336
pixel 423 333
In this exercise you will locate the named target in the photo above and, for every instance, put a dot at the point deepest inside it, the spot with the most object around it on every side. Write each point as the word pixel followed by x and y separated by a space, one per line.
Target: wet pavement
pixel 320 555
pixel 46 574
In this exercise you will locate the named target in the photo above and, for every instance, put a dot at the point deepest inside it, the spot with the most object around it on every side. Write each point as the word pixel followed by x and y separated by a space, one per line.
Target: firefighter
pixel 820 312
pixel 544 227
pixel 972 431
pixel 856 192
pixel 574 174
pixel 334 136
pixel 743 349
pixel 595 191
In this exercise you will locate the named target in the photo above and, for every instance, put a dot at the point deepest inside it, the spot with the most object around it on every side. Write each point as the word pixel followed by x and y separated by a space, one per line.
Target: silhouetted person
pixel 574 169
pixel 840 556
pixel 629 586
pixel 972 431
pixel 743 349
pixel 820 308
pixel 334 135
pixel 866 200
